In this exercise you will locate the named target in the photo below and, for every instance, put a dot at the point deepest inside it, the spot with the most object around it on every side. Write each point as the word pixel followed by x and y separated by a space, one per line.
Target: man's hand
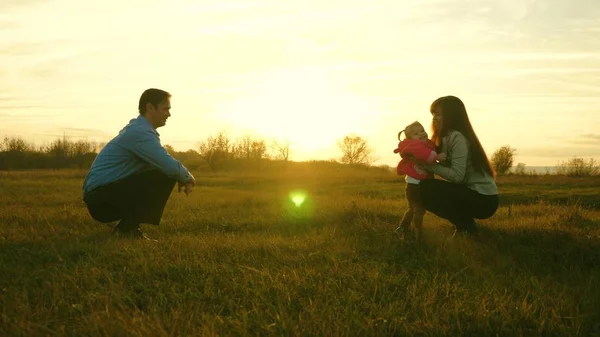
pixel 441 156
pixel 188 187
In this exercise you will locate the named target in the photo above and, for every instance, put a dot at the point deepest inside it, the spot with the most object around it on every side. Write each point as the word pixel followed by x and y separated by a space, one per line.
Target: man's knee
pixel 102 212
pixel 157 179
pixel 156 175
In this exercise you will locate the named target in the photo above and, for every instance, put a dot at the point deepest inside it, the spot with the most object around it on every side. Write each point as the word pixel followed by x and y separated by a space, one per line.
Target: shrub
pixel 502 160
pixel 578 167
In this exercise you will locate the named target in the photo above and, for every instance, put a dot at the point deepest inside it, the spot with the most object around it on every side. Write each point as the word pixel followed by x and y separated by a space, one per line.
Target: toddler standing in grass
pixel 415 148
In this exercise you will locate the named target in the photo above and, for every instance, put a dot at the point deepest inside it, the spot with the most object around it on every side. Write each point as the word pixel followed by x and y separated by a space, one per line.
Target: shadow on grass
pixel 52 251
pixel 552 252
pixel 549 268
pixel 591 201
pixel 542 252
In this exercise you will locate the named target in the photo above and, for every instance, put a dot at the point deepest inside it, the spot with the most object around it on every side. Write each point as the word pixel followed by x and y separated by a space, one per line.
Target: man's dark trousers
pixel 137 199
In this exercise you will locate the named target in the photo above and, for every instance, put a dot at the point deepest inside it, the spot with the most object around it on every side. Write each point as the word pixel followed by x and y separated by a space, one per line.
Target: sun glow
pixel 308 107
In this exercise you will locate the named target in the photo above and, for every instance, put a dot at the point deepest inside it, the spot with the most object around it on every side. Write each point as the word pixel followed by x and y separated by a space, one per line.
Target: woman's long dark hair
pixel 454 117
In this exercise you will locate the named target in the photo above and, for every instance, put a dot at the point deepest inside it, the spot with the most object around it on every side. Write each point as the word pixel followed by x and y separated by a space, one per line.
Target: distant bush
pixel 17 154
pixel 220 152
pixel 520 169
pixel 578 167
pixel 502 159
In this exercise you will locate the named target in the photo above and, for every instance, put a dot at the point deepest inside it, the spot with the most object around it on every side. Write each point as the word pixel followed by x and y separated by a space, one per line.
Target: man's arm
pixel 146 145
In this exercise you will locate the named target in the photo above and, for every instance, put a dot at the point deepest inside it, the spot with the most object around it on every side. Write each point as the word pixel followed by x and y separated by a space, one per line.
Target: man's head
pixel 155 106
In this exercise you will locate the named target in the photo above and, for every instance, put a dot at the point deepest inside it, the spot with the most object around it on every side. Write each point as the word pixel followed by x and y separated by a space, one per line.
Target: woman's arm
pixel 459 148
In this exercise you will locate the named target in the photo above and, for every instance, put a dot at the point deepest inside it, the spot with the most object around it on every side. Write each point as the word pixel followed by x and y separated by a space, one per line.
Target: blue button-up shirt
pixel 135 149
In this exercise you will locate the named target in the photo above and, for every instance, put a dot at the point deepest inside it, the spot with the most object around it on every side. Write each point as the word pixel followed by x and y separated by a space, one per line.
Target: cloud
pixel 587 139
pixel 70 132
pixel 5 97
pixel 548 25
pixel 21 117
pixel 84 131
pixel 21 48
pixel 7 25
pixel 10 4
pixel 30 48
pixel 561 152
pixel 52 59
pixel 592 136
pixel 286 19
pixel 55 67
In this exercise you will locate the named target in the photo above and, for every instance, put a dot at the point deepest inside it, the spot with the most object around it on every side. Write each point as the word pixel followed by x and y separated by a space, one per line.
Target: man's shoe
pixel 462 232
pixel 470 227
pixel 473 227
pixel 138 234
pixel 131 234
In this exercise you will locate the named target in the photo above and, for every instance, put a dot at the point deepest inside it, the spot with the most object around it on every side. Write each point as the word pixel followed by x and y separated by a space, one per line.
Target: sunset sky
pixel 309 71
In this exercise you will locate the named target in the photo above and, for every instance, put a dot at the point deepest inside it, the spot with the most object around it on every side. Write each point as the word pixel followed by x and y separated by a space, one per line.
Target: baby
pixel 415 148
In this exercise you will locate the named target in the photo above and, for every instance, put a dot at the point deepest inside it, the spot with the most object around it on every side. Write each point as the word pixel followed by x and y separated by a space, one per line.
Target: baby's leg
pixel 408 215
pixel 419 213
pixel 413 192
pixel 407 218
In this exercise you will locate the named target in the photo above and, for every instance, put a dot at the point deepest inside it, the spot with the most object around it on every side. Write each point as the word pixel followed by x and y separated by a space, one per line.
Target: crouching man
pixel 133 176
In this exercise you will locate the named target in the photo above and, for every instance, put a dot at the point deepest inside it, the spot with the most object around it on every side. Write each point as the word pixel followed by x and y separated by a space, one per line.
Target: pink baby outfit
pixel 423 151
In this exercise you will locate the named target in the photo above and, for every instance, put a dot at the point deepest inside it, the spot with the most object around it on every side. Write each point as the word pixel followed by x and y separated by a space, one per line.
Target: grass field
pixel 237 257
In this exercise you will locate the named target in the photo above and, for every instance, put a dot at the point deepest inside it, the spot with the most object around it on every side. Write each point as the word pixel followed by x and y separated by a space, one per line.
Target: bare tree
pixel 60 148
pixel 249 148
pixel 82 147
pixel 258 149
pixel 355 150
pixel 281 149
pixel 16 144
pixel 216 149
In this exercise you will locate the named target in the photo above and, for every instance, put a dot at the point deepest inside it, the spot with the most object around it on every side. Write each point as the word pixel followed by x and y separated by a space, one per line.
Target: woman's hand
pixel 441 156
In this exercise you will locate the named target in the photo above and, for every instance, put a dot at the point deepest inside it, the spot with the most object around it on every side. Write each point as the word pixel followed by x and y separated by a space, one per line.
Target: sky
pixel 306 71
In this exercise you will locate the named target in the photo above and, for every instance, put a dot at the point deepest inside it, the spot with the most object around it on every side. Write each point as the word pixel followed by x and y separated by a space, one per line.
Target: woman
pixel 469 190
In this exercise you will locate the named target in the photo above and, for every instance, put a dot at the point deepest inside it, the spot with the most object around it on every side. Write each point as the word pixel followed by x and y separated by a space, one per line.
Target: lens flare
pixel 298 207
pixel 297 198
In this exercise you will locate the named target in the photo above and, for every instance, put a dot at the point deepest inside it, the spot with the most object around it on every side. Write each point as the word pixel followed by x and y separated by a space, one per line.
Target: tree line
pixel 16 153
pixel 502 161
pixel 221 152
pixel 216 152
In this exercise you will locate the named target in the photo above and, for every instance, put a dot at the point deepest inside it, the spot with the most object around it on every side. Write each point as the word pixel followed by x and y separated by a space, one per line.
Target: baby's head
pixel 414 131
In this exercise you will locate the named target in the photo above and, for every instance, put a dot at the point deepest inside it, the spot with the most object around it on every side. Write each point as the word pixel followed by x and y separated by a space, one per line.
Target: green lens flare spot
pixel 297 198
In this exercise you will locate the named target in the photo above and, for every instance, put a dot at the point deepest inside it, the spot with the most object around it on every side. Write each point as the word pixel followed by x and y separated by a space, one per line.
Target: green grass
pixel 236 257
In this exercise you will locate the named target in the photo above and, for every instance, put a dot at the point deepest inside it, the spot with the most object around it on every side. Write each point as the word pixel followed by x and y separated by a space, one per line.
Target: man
pixel 133 176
